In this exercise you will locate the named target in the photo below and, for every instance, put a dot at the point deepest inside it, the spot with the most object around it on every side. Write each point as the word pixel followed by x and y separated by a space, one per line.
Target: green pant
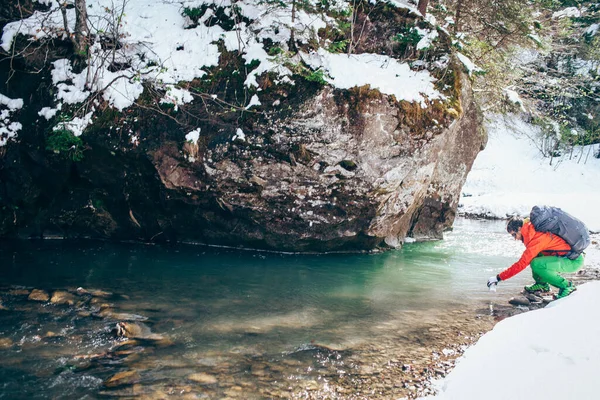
pixel 546 269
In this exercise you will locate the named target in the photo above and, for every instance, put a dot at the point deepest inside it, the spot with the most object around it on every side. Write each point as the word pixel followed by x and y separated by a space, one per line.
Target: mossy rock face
pixel 339 170
pixel 314 169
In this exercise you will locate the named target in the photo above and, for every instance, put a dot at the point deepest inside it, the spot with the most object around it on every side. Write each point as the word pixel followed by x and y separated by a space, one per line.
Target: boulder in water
pixel 94 292
pixel 133 330
pixel 139 331
pixel 62 297
pixel 39 295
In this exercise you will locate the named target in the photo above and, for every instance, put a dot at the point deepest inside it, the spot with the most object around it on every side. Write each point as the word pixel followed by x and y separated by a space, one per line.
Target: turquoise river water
pixel 252 323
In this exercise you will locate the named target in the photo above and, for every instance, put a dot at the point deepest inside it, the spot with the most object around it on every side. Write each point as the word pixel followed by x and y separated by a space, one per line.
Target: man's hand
pixel 493 281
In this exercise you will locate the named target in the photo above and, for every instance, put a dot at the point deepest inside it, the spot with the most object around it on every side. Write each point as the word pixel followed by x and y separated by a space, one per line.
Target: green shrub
pixel 63 142
pixel 338 47
pixel 317 76
pixel 408 36
pixel 195 13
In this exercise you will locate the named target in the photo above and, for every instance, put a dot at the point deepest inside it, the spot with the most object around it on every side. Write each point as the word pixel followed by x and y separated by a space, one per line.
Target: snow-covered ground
pixel 510 176
pixel 551 353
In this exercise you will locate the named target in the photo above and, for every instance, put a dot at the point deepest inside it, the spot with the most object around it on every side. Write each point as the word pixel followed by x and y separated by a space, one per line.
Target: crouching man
pixel 545 253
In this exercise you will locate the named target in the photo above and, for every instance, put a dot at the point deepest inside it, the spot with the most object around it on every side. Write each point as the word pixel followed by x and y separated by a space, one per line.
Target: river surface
pixel 228 323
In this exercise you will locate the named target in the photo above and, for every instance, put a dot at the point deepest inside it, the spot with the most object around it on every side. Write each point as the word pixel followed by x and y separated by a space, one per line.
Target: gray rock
pixel 520 301
pixel 533 298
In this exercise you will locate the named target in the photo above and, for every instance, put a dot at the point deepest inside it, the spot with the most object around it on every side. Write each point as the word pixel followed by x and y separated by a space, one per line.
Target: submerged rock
pixel 19 292
pixel 61 297
pixel 123 378
pixel 5 343
pixel 203 378
pixel 139 331
pixel 94 292
pixel 133 330
pixel 109 313
pixel 39 295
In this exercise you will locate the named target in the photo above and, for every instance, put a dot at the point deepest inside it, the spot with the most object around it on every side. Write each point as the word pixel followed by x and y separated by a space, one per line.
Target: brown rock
pixel 39 295
pixel 5 343
pixel 94 292
pixel 203 378
pixel 122 378
pixel 62 297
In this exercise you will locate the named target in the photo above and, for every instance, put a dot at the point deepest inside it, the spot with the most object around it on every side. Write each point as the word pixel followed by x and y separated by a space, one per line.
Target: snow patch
pixel 48 112
pixel 380 72
pixel 239 134
pixel 193 136
pixel 76 125
pixel 12 104
pixel 9 128
pixel 469 65
pixel 567 12
pixel 254 101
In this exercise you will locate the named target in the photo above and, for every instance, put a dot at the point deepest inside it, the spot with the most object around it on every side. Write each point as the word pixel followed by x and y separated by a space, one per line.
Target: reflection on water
pixel 243 317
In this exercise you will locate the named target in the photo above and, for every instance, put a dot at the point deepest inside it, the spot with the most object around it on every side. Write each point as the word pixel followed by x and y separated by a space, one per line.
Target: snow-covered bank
pixel 510 176
pixel 551 353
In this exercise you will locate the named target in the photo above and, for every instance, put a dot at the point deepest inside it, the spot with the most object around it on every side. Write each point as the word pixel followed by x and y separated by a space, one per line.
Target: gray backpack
pixel 558 222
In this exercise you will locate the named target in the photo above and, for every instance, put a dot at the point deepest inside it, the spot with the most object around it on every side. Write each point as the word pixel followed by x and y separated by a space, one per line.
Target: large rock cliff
pixel 327 169
pixel 326 178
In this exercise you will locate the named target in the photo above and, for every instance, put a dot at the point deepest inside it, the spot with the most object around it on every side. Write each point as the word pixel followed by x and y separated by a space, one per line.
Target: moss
pixel 301 153
pixel 98 203
pixel 62 142
pixel 348 165
pixel 359 97
pixel 420 120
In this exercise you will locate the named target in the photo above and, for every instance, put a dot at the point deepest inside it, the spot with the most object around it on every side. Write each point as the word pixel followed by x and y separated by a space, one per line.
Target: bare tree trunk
pixel 352 25
pixel 63 11
pixel 82 32
pixel 292 42
pixel 459 5
pixel 422 7
pixel 80 37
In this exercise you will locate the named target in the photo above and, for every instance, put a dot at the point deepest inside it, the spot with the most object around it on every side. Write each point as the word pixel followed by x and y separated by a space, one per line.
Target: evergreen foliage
pixel 548 54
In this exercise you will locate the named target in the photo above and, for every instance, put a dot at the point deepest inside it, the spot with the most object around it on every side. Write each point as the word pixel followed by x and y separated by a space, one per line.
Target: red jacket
pixel 535 243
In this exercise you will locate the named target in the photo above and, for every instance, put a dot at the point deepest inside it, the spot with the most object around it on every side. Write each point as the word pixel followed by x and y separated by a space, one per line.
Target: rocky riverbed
pixel 85 341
